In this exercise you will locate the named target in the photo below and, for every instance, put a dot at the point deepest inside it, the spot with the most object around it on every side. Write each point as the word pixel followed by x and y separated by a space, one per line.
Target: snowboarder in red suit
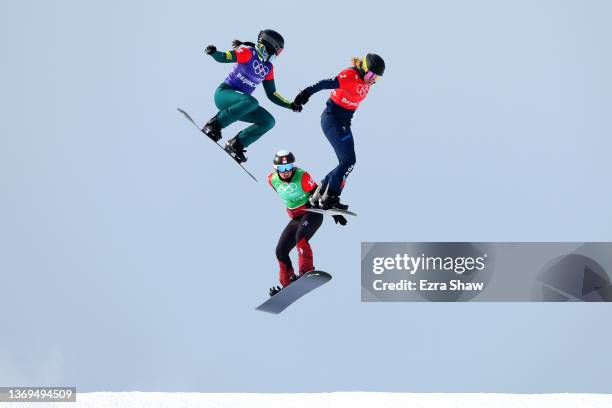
pixel 349 89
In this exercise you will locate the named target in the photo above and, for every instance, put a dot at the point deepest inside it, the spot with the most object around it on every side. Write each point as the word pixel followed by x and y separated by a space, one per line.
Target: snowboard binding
pixel 275 289
pixel 331 200
pixel 313 200
pixel 212 129
pixel 236 150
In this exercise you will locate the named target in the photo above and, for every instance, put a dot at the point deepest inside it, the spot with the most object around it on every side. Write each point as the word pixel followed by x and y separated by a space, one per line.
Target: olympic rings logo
pixel 287 188
pixel 260 69
pixel 362 89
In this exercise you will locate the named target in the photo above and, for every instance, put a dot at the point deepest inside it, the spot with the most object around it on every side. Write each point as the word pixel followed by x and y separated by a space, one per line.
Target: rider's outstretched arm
pixel 303 96
pixel 238 55
pixel 273 95
pixel 330 83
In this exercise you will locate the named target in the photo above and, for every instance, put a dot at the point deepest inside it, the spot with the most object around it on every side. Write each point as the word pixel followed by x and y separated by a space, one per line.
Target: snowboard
pixel 331 211
pixel 289 294
pixel 220 147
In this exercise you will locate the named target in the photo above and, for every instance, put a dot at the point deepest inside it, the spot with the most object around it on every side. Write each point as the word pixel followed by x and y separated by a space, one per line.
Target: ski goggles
pixel 371 77
pixel 261 49
pixel 283 168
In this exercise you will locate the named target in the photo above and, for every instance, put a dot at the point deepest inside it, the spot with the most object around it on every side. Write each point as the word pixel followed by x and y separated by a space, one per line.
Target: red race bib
pixel 352 90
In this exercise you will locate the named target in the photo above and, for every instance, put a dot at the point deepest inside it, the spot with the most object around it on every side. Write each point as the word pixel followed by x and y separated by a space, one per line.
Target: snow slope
pixel 328 400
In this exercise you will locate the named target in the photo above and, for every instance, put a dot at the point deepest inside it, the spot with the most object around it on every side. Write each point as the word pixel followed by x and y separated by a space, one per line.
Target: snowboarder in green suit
pixel 233 96
pixel 295 186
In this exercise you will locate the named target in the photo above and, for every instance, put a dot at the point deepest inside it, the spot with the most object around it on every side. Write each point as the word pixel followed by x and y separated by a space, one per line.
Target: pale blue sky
pixel 133 253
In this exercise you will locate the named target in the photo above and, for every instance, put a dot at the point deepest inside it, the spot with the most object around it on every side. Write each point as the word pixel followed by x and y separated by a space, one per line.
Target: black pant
pixel 338 132
pixel 297 233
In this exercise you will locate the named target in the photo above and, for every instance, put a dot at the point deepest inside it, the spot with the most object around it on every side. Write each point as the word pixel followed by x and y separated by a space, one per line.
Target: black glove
pixel 339 219
pixel 296 107
pixel 302 98
pixel 211 49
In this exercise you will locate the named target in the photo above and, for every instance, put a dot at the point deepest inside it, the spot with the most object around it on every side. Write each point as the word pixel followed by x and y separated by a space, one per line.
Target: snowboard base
pixel 289 294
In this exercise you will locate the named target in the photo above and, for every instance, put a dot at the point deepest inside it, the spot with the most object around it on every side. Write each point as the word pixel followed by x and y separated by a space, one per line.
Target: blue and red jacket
pixel 249 71
pixel 348 91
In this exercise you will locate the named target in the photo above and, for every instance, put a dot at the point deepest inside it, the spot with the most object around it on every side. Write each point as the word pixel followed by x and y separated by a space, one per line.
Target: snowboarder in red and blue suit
pixel 349 89
pixel 233 97
pixel 295 186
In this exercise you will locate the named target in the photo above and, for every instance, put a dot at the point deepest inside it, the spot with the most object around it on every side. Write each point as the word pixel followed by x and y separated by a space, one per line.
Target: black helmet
pixel 283 157
pixel 374 63
pixel 272 41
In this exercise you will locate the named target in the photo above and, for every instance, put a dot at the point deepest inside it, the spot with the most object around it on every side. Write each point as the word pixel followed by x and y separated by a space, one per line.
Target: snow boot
pixel 275 289
pixel 331 200
pixel 212 129
pixel 313 200
pixel 236 150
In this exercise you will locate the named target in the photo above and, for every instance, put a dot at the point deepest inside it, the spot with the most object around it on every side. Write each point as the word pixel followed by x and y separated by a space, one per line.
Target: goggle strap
pixel 364 64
